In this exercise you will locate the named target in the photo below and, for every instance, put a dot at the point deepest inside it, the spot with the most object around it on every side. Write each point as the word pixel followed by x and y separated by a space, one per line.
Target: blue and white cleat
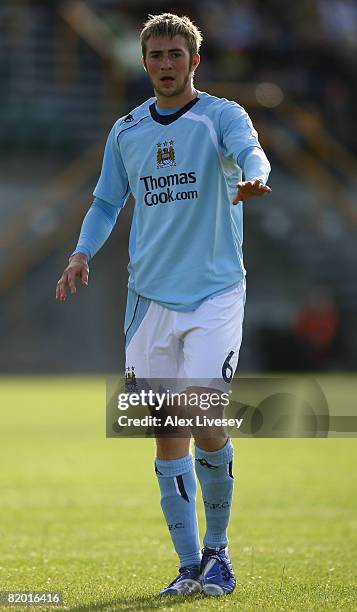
pixel 186 583
pixel 217 573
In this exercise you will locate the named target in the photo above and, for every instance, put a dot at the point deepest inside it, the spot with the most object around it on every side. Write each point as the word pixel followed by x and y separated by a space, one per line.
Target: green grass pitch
pixel 80 513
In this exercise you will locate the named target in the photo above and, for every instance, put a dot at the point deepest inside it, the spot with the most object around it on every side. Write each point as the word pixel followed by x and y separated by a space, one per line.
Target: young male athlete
pixel 181 154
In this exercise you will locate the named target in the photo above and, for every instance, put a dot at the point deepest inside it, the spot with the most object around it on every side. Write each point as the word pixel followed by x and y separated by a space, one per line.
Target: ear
pixel 143 63
pixel 195 61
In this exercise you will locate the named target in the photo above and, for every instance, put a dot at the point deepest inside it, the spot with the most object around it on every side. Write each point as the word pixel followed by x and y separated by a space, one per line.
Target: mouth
pixel 167 79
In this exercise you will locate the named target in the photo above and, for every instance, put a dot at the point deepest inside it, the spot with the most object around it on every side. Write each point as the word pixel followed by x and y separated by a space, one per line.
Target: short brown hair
pixel 171 25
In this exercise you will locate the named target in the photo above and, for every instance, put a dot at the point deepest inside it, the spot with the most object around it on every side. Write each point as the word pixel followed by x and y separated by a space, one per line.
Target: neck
pixel 179 100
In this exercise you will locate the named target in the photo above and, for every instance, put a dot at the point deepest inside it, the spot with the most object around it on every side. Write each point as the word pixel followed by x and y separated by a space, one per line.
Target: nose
pixel 166 63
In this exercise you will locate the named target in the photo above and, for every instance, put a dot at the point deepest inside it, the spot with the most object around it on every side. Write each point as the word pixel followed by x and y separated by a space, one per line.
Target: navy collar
pixel 167 119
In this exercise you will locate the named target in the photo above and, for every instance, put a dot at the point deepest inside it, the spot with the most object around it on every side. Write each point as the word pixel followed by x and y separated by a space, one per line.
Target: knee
pixel 172 448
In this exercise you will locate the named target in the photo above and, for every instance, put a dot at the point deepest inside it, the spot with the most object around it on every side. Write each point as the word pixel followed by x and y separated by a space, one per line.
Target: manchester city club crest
pixel 130 380
pixel 165 154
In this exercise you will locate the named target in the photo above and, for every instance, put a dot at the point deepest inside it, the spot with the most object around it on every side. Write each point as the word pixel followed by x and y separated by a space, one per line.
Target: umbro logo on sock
pixel 205 463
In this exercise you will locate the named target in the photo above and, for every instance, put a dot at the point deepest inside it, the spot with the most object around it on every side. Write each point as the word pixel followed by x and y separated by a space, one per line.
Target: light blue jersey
pixel 182 169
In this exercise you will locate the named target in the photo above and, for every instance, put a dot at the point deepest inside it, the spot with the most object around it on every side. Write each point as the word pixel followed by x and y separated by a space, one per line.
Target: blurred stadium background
pixel 68 69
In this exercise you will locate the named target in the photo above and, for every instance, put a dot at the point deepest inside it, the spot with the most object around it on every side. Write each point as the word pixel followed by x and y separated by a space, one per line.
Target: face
pixel 168 64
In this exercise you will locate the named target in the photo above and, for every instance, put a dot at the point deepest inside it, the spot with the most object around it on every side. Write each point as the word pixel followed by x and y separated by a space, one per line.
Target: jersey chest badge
pixel 165 155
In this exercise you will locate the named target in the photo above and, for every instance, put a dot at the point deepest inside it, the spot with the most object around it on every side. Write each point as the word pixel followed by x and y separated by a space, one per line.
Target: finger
pixel 237 198
pixel 61 289
pixel 263 189
pixel 256 184
pixel 84 276
pixel 259 187
pixel 72 283
pixel 245 184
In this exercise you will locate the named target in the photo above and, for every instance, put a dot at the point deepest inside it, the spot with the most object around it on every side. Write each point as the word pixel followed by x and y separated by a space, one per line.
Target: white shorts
pixel 201 346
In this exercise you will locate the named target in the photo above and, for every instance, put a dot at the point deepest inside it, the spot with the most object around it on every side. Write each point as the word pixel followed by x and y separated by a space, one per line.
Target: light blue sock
pixel 214 471
pixel 178 488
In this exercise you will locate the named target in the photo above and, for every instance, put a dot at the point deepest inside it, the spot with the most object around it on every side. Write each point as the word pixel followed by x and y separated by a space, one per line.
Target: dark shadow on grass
pixel 132 604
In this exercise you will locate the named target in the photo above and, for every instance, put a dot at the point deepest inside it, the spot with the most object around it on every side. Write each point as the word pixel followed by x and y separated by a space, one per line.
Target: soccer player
pixel 182 154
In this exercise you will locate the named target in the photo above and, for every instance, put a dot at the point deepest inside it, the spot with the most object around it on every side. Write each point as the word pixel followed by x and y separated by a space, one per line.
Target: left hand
pixel 250 189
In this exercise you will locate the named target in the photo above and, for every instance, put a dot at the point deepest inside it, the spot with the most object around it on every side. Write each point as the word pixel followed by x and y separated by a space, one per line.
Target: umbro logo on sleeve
pixel 128 118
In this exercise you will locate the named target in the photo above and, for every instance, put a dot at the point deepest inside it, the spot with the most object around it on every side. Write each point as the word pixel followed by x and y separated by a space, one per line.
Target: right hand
pixel 77 267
